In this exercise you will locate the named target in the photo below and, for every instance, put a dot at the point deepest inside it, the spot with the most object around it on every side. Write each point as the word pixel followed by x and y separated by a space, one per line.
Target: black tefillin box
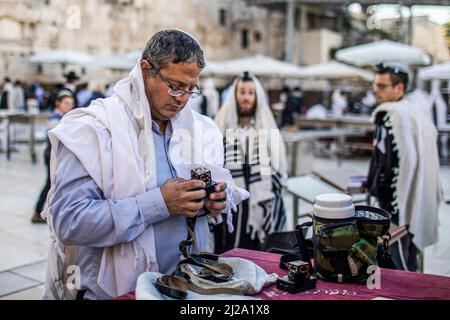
pixel 202 173
pixel 299 278
pixel 298 270
pixel 301 275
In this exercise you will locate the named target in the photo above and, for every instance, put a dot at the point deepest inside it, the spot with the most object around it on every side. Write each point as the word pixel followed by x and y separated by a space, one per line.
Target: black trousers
pixel 80 295
pixel 404 252
pixel 46 188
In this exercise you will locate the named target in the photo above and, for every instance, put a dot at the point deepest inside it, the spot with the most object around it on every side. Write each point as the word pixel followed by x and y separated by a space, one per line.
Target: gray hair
pixel 172 46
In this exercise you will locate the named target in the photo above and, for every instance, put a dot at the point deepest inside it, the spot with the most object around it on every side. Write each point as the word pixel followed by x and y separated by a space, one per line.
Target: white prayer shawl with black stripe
pixel 417 189
pixel 113 141
pixel 267 158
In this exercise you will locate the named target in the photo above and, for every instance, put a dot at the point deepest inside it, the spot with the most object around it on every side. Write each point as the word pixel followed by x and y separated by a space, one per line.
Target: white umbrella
pixel 437 71
pixel 334 71
pixel 258 65
pixel 62 57
pixel 383 51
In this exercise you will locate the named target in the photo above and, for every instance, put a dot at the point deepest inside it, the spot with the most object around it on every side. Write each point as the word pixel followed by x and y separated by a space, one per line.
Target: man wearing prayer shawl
pixel 404 170
pixel 121 186
pixel 256 156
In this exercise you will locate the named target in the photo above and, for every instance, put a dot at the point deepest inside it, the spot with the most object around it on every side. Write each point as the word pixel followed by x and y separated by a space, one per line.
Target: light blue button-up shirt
pixel 82 217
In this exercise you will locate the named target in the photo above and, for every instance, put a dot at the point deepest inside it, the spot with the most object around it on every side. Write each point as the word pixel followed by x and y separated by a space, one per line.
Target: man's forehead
pixel 245 84
pixel 182 73
pixel 382 77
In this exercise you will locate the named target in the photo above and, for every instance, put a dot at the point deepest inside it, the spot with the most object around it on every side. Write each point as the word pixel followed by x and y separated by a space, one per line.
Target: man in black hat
pixel 71 85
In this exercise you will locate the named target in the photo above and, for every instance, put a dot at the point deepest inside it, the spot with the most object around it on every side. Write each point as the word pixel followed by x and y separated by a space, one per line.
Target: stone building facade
pixel 226 28
pixel 426 34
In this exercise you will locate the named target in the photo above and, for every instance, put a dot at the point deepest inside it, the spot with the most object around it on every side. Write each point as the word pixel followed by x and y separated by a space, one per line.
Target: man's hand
pixel 182 196
pixel 213 203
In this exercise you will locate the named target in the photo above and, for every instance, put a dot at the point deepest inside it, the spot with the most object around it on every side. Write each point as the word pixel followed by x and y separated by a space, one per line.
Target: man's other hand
pixel 216 201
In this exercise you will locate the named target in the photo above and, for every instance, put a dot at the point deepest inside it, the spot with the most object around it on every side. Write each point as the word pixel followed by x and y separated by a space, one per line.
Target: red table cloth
pixel 394 284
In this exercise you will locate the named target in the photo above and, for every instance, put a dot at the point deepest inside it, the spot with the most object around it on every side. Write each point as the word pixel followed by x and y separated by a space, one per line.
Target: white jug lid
pixel 334 206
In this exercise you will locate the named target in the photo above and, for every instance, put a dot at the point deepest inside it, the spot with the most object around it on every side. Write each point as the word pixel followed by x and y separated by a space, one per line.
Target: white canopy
pixel 437 71
pixel 62 56
pixel 258 65
pixel 383 51
pixel 335 70
pixel 123 62
pixel 126 62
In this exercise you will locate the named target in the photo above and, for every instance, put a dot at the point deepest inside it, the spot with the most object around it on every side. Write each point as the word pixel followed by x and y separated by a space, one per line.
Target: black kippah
pixel 246 76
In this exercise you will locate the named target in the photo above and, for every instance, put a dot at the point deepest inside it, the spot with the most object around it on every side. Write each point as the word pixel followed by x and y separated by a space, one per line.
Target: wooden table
pixel 296 137
pixel 360 122
pixel 28 119
pixel 340 178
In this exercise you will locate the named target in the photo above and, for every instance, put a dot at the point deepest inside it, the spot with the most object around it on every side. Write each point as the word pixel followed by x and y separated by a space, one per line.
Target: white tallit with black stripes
pixel 417 187
pixel 264 149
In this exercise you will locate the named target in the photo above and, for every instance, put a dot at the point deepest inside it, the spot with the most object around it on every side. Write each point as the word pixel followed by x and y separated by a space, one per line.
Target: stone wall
pixel 103 27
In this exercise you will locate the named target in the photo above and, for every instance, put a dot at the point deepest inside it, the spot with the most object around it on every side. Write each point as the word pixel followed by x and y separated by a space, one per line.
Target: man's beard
pixel 246 113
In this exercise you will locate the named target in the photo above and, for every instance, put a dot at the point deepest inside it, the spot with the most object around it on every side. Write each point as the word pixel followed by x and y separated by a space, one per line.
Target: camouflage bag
pixel 345 248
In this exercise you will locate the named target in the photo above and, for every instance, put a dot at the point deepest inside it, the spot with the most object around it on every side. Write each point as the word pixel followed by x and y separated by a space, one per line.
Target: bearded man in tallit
pixel 121 177
pixel 404 170
pixel 256 156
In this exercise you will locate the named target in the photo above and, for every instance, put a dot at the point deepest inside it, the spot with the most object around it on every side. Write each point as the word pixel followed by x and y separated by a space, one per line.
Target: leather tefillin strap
pixel 386 238
pixel 204 175
pixel 207 265
pixel 303 251
pixel 384 258
pixel 185 244
pixel 301 275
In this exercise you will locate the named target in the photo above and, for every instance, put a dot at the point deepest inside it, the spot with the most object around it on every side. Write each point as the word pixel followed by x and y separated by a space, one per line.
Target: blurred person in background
pixel 63 104
pixel 339 103
pixel 439 116
pixel 91 95
pixel 404 169
pixel 84 95
pixel 211 98
pixel 262 172
pixel 109 90
pixel 297 99
pixel 7 95
pixel 369 99
pixel 39 94
pixel 97 93
pixel 52 95
pixel 71 85
pixel 292 108
pixel 19 96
